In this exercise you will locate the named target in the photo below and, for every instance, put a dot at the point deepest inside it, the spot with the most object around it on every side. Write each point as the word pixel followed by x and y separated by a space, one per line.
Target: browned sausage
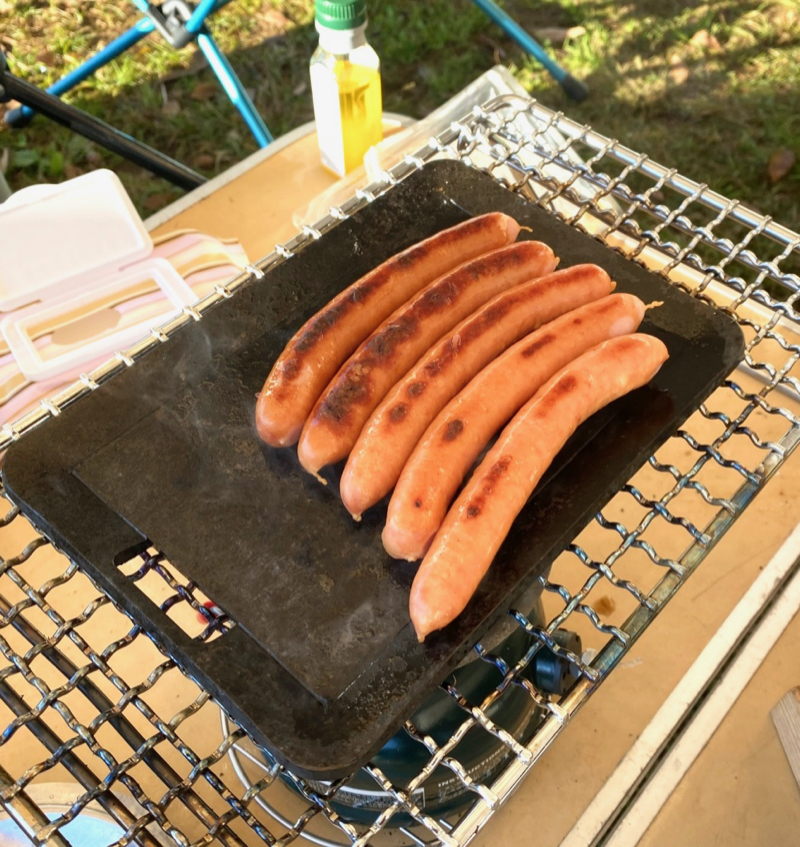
pixel 482 515
pixel 396 426
pixel 318 349
pixel 339 415
pixel 454 440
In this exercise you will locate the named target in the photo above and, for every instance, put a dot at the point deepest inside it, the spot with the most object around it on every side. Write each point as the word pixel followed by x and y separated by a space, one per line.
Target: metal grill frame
pixel 512 139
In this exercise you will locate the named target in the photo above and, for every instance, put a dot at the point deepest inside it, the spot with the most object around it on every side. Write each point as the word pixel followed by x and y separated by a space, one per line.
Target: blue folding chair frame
pixel 191 27
pixel 184 23
pixel 572 86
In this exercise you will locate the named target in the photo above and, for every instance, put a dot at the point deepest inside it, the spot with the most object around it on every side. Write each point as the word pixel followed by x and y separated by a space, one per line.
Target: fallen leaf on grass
pixel 171 108
pixel 71 171
pixel 558 34
pixel 47 57
pixel 703 38
pixel 204 91
pixel 678 70
pixel 275 20
pixel 300 89
pixel 780 163
pixel 196 64
pixel 205 160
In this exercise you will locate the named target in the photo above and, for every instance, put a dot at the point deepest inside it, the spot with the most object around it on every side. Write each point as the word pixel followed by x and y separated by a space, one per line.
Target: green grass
pixel 716 110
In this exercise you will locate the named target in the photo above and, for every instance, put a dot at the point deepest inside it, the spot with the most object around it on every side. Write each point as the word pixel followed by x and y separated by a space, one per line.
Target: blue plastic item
pixel 179 22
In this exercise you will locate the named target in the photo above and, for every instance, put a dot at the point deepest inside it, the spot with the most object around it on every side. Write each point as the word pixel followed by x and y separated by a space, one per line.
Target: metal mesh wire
pixel 88 698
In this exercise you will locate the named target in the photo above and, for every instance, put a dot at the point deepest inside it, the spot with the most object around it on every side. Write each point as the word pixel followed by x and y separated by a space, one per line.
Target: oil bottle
pixel 345 85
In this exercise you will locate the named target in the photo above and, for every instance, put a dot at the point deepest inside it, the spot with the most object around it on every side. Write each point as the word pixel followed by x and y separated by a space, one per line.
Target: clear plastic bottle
pixel 345 85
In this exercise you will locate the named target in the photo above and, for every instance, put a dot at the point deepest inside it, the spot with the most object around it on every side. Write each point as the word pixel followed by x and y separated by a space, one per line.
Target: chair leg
pixel 22 116
pixel 203 9
pixel 233 87
pixel 216 58
pixel 573 87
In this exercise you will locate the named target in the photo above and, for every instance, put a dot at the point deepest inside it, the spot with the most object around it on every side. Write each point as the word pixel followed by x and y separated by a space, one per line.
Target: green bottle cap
pixel 341 14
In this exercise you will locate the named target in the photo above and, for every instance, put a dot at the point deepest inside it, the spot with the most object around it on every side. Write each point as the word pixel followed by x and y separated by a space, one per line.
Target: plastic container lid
pixel 63 238
pixel 63 249
pixel 341 14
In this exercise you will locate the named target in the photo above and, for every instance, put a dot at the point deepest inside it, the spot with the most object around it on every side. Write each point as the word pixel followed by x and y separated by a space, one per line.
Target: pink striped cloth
pixel 201 260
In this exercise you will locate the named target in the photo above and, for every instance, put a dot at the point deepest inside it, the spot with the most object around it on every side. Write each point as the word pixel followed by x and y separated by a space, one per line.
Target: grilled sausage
pixel 482 515
pixel 317 350
pixel 395 428
pixel 454 440
pixel 339 415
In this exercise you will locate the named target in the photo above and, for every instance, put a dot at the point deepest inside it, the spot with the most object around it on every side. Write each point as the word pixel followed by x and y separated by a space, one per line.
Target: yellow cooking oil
pixel 361 110
pixel 345 86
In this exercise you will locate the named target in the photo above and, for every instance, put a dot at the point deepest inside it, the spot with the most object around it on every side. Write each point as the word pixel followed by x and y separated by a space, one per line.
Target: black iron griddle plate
pixel 323 665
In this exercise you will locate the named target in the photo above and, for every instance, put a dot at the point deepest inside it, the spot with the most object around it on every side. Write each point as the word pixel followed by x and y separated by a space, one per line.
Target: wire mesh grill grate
pixel 104 708
pixel 181 599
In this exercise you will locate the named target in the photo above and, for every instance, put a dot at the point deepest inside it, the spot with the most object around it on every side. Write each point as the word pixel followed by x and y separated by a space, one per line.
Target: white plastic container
pixel 58 239
pixel 64 247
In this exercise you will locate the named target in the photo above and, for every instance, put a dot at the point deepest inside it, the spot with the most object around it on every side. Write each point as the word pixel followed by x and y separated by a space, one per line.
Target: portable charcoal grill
pixel 135 734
